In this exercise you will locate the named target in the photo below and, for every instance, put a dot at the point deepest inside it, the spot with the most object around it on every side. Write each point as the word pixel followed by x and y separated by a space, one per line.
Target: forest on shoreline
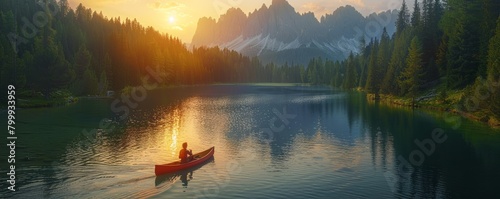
pixel 450 48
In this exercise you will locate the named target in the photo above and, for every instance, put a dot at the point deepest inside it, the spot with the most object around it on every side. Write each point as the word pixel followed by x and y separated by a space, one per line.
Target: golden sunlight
pixel 171 19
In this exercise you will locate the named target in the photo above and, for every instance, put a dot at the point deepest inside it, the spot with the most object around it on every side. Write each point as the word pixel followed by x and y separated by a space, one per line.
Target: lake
pixel 271 141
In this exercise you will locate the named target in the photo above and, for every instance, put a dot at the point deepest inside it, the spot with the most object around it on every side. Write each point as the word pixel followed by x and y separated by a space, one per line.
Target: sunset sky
pixel 179 17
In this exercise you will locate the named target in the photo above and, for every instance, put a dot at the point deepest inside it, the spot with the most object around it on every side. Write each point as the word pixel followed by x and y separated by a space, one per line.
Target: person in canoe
pixel 185 155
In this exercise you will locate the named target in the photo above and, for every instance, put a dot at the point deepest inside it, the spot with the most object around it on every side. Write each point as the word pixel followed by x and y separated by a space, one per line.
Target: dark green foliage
pixel 462 58
pixel 397 63
pixel 441 59
pixel 415 17
pixel 494 70
pixel 50 70
pixel 411 77
pixel 383 57
pixel 430 35
pixel 448 42
pixel 372 77
pixel 88 53
pixel 378 61
pixel 461 25
pixel 362 63
pixel 351 73
pixel 494 55
pixel 103 84
pixel 489 12
pixel 403 17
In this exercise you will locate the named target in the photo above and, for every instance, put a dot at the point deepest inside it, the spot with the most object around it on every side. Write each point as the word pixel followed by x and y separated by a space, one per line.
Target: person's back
pixel 183 154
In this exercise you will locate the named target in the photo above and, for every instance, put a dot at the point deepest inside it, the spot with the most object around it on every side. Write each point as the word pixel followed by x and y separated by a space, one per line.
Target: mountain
pixel 278 33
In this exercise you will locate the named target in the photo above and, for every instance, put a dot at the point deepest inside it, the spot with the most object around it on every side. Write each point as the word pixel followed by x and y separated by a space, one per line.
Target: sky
pixel 180 17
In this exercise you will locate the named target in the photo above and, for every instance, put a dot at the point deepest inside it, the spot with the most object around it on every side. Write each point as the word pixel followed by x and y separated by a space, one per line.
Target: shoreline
pixel 429 102
pixel 40 102
pixel 478 116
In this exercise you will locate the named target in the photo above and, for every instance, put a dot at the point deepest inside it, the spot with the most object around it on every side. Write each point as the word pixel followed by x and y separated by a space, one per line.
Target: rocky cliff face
pixel 278 33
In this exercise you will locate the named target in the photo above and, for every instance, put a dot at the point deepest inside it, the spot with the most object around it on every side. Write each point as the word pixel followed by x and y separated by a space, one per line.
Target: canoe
pixel 199 158
pixel 178 175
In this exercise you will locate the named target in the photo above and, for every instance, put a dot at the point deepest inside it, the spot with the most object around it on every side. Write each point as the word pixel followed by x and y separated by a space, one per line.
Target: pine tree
pixel 383 56
pixel 351 74
pixel 83 58
pixel 362 63
pixel 430 35
pixel 108 71
pixel 494 55
pixel 427 13
pixel 103 84
pixel 51 70
pixel 371 80
pixel 461 26
pixel 397 62
pixel 489 11
pixel 441 61
pixel 494 70
pixel 412 74
pixel 415 18
pixel 338 75
pixel 64 7
pixel 403 18
pixel 312 72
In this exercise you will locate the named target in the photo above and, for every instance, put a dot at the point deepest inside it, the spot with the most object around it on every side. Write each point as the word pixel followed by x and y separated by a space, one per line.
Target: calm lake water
pixel 271 141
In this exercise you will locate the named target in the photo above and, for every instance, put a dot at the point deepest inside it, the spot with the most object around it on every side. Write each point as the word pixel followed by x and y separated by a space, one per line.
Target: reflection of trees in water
pixel 455 161
pixel 392 132
pixel 318 115
pixel 347 118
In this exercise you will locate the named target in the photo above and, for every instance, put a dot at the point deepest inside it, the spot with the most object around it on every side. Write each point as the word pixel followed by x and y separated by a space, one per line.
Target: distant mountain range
pixel 279 34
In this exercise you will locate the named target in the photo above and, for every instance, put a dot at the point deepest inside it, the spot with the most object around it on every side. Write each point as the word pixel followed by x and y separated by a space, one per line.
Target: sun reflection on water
pixel 192 121
pixel 174 130
pixel 331 148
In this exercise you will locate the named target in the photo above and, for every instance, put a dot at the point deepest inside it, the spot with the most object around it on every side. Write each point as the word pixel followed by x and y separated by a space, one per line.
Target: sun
pixel 171 19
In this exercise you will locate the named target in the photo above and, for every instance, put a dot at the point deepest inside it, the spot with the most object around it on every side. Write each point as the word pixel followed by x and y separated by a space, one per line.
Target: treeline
pixel 442 45
pixel 46 46
pixel 447 42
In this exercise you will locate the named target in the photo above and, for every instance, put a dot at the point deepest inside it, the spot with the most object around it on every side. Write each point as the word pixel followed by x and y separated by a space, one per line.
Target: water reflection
pixel 184 178
pixel 339 145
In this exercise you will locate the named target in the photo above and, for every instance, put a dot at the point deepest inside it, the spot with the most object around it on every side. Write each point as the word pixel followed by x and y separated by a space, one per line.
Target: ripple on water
pixel 330 150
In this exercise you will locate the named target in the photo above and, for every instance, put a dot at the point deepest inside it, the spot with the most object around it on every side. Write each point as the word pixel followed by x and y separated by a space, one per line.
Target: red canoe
pixel 177 166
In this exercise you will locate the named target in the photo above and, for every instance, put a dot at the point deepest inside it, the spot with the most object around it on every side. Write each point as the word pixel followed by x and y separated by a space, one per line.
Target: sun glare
pixel 171 19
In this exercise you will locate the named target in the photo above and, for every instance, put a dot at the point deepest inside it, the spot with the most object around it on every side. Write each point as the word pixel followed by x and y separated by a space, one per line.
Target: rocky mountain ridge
pixel 280 34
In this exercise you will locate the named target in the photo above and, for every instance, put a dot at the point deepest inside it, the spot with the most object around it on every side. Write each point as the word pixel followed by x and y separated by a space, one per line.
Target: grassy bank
pixel 452 102
pixel 32 99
